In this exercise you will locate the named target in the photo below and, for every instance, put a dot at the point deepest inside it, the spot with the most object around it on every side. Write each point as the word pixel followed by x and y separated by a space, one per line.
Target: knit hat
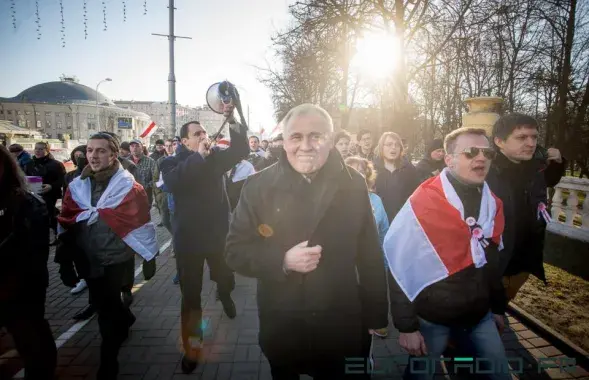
pixel 434 145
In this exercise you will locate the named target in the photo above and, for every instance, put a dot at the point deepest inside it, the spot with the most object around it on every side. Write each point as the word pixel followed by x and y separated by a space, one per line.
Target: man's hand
pixel 500 322
pixel 45 188
pixel 204 148
pixel 413 343
pixel 554 155
pixel 301 258
pixel 228 113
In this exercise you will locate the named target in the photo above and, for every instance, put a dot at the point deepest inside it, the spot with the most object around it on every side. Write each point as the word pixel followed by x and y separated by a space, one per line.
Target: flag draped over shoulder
pixel 430 238
pixel 123 207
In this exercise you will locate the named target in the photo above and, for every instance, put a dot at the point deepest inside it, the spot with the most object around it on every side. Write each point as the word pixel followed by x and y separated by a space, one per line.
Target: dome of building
pixel 61 92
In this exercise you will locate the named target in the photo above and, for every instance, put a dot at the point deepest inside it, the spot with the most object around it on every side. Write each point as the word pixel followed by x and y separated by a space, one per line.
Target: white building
pixel 56 109
pixel 160 113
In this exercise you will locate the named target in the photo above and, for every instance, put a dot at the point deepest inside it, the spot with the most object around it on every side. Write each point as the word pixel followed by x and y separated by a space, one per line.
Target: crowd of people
pixel 340 235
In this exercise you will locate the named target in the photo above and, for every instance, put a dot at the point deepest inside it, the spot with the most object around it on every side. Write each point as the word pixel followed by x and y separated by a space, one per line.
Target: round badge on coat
pixel 471 221
pixel 265 230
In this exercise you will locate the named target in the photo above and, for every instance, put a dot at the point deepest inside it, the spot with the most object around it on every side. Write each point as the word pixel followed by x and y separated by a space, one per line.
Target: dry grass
pixel 563 304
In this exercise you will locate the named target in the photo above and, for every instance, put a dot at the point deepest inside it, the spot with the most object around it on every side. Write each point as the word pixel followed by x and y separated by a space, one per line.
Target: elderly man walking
pixel 304 228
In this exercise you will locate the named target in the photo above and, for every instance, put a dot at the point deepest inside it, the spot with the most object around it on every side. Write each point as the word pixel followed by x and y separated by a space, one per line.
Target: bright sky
pixel 228 39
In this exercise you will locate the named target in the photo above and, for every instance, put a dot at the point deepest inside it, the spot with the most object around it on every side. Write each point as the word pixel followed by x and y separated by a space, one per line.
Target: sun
pixel 377 55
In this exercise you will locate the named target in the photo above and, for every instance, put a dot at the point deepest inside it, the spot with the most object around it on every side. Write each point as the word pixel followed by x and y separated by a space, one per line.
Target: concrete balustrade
pixel 571 200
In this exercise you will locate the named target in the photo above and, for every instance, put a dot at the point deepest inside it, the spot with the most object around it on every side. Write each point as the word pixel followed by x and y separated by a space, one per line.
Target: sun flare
pixel 377 55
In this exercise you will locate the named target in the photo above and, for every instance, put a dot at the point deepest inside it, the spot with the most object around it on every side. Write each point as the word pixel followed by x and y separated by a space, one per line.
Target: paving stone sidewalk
pixel 231 351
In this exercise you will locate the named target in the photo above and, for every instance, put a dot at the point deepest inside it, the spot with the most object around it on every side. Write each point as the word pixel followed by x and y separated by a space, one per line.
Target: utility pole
pixel 171 75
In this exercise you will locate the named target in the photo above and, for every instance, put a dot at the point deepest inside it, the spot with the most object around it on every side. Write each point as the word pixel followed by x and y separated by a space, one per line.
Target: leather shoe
pixel 86 313
pixel 188 366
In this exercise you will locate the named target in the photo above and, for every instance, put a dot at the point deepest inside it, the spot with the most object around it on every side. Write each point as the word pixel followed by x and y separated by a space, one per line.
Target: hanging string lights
pixel 104 15
pixel 38 19
pixel 85 19
pixel 62 23
pixel 13 12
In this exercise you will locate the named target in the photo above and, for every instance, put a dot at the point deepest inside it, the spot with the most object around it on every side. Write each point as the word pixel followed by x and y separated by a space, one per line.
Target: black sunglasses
pixel 472 152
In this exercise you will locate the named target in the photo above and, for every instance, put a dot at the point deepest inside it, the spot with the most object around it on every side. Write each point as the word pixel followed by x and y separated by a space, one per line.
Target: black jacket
pixel 200 198
pixel 346 294
pixel 428 168
pixel 522 187
pixel 462 299
pixel 396 187
pixel 24 248
pixel 52 172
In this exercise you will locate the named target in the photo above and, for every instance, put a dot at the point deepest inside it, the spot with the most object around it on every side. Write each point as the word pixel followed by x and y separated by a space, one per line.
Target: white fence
pixel 568 195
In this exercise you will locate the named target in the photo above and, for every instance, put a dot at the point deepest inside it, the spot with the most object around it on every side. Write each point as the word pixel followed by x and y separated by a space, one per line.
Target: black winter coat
pixel 198 186
pixel 326 311
pixel 522 187
pixel 24 248
pixel 396 187
pixel 52 172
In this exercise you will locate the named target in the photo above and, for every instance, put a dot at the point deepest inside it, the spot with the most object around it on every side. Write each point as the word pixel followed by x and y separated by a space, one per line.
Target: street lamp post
pixel 97 113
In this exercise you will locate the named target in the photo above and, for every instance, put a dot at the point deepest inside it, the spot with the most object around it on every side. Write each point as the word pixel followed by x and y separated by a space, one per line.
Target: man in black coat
pixel 520 176
pixel 433 161
pixel 196 178
pixel 305 229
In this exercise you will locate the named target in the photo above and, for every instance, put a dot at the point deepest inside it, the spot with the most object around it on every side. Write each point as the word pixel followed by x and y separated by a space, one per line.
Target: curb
pixel 556 339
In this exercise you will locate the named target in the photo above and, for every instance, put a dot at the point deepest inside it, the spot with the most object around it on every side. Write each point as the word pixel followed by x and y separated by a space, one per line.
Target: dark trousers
pixel 190 268
pixel 114 319
pixel 128 279
pixel 295 346
pixel 149 192
pixel 25 321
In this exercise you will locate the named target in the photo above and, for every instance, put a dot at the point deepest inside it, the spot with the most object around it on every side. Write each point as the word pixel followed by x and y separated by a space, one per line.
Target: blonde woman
pixel 397 177
pixel 365 167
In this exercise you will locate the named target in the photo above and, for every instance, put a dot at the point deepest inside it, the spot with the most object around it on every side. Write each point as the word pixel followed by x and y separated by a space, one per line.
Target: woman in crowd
pixel 397 177
pixel 24 250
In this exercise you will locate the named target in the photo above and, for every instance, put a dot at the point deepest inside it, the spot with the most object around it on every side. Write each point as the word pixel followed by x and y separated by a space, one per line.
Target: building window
pixel 91 125
pixel 39 124
pixel 91 116
pixel 47 114
pixel 68 115
pixel 59 125
pixel 21 123
pixel 19 113
pixel 27 123
pixel 48 124
pixel 69 126
pixel 38 114
pixel 27 113
pixel 9 112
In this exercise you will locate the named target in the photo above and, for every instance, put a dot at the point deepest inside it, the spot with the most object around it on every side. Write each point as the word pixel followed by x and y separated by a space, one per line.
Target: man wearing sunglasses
pixel 520 176
pixel 443 253
pixel 195 177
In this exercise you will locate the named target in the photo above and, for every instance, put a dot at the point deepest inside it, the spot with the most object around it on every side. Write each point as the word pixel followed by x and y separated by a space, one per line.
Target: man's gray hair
pixel 307 109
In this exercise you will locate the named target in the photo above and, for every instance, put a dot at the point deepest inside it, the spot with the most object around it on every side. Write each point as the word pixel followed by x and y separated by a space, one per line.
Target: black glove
pixel 148 269
pixel 68 274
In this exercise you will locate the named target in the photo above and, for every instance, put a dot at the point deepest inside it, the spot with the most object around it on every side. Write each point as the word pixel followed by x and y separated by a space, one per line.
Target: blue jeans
pixel 484 338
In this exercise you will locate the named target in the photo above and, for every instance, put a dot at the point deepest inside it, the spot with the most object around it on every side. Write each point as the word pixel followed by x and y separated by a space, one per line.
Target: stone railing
pixel 571 200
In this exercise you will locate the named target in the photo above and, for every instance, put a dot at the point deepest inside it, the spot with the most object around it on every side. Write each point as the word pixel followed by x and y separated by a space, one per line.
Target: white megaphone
pixel 219 94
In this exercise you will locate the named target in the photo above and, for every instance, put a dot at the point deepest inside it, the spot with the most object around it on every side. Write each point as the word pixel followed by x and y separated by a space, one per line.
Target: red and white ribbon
pixel 542 212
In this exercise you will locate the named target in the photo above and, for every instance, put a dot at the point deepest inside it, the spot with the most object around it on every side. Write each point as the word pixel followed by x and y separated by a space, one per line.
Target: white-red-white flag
pixel 149 130
pixel 123 207
pixel 431 239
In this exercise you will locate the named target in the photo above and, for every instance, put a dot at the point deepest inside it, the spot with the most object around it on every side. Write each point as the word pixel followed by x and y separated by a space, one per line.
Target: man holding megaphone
pixel 195 177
